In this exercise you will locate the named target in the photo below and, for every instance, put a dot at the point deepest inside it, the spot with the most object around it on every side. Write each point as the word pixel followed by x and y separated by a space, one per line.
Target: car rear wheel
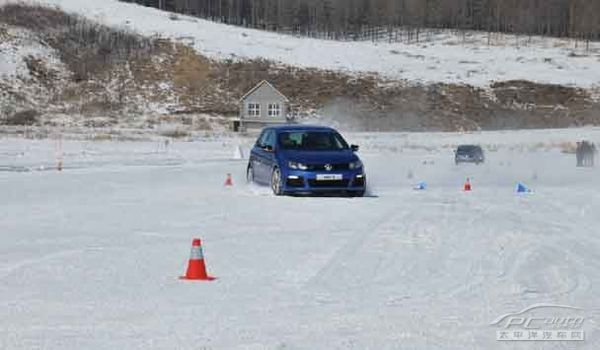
pixel 250 174
pixel 276 182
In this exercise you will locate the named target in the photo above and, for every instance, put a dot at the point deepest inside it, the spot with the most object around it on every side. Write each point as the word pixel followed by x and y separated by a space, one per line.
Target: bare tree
pixel 361 19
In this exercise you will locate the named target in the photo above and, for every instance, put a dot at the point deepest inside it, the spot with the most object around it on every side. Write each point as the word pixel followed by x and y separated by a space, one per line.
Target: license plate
pixel 329 177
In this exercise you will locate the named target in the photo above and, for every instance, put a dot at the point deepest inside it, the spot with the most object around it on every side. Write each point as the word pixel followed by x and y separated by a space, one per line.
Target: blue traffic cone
pixel 521 188
pixel 421 186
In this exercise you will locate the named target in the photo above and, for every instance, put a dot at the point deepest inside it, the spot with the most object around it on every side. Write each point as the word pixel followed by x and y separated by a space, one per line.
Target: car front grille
pixel 329 183
pixel 341 166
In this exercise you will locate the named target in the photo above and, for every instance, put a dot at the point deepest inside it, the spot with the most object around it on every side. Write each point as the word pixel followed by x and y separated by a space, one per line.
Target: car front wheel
pixel 276 182
pixel 358 193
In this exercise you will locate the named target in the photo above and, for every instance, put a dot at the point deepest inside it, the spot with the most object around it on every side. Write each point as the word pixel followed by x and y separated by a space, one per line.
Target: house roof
pixel 258 86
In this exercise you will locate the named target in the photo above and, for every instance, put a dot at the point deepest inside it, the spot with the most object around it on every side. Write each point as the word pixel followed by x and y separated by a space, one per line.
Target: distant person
pixel 591 154
pixel 579 153
pixel 585 154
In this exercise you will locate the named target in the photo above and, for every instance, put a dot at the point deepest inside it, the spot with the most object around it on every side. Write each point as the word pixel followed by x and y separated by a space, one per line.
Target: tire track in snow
pixel 538 253
pixel 354 243
pixel 475 275
pixel 6 271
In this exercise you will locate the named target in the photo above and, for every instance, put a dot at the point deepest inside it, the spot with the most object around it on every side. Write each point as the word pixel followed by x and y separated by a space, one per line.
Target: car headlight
pixel 355 165
pixel 298 166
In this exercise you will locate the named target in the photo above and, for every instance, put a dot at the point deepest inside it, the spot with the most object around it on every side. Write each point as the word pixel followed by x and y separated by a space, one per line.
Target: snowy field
pixel 472 59
pixel 90 256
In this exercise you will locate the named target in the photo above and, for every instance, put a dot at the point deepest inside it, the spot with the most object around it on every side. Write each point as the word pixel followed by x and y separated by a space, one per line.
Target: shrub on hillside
pixel 174 132
pixel 26 117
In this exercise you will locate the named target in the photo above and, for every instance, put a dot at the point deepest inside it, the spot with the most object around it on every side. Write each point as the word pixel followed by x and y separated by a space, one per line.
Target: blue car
pixel 301 159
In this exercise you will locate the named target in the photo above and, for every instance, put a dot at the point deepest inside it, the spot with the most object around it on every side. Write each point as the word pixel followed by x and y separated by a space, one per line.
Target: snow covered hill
pixel 190 73
pixel 471 58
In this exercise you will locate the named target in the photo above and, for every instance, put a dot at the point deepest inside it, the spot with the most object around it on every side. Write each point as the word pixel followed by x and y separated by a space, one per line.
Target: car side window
pixel 260 142
pixel 270 139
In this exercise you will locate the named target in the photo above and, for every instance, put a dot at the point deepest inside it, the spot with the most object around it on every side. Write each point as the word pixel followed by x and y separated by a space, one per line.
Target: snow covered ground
pixel 89 257
pixel 443 57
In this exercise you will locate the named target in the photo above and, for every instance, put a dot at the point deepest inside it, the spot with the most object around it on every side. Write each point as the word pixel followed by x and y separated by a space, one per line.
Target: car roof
pixel 469 146
pixel 300 127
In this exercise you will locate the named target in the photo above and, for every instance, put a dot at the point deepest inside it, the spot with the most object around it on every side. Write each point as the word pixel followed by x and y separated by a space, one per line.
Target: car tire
pixel 249 174
pixel 276 182
pixel 358 194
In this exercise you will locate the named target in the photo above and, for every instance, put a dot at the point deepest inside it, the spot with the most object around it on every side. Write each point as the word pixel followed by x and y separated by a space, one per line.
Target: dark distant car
pixel 468 154
pixel 306 159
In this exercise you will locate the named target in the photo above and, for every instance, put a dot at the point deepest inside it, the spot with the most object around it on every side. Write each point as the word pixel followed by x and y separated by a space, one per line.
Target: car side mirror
pixel 268 148
pixel 354 148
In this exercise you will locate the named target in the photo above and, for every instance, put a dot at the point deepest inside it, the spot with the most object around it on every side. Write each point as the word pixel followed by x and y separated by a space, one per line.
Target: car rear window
pixel 468 149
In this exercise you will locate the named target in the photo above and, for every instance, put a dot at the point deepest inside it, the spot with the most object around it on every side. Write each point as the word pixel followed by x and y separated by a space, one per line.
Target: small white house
pixel 261 106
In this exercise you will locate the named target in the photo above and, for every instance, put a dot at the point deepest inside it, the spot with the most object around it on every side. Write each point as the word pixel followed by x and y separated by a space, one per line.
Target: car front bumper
pixel 298 181
pixel 468 160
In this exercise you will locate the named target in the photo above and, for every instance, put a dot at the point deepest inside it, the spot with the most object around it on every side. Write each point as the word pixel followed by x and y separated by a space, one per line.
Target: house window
pixel 253 109
pixel 274 110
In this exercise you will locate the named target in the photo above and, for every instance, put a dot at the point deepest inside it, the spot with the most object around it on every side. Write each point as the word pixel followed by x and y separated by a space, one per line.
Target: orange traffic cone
pixel 196 268
pixel 228 181
pixel 467 186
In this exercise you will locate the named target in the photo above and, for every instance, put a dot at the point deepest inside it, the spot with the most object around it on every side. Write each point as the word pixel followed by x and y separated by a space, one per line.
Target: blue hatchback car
pixel 296 159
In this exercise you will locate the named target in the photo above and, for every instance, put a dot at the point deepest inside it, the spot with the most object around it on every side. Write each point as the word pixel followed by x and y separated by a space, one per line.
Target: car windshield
pixel 312 141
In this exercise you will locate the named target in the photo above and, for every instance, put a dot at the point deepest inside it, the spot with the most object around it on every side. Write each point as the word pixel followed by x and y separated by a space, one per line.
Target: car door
pixel 264 156
pixel 269 160
pixel 256 157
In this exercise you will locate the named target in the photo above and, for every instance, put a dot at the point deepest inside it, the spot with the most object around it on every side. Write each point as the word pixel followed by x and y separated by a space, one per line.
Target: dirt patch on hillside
pixel 370 103
pixel 3 34
pixel 86 47
pixel 40 71
pixel 526 93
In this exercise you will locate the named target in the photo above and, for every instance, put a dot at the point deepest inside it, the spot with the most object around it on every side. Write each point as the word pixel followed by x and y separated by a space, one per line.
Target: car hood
pixel 320 157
